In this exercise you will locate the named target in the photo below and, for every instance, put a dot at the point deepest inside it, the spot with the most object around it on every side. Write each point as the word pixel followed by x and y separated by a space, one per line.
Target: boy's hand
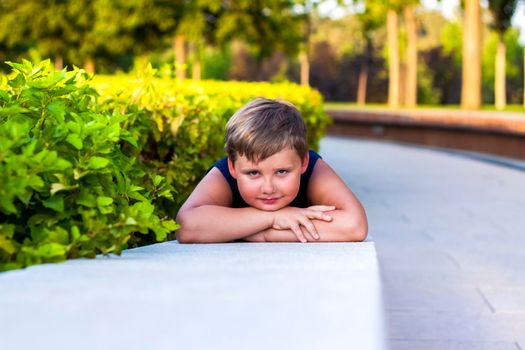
pixel 296 218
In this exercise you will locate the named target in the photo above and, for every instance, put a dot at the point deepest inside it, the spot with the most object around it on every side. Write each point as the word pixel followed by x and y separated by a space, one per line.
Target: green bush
pixel 71 180
pixel 189 119
pixel 98 165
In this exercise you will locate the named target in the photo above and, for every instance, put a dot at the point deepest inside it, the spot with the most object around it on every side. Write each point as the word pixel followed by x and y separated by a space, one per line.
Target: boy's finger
pixel 322 207
pixel 299 234
pixel 319 216
pixel 310 228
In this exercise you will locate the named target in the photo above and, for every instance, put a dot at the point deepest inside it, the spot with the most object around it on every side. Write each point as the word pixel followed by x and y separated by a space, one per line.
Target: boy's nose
pixel 268 187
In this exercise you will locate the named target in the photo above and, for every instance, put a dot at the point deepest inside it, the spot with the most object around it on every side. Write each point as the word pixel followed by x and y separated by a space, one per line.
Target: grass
pixel 378 106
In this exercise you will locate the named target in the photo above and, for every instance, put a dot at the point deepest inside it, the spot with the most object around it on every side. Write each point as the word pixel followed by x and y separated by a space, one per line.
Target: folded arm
pixel 349 222
pixel 340 229
pixel 206 217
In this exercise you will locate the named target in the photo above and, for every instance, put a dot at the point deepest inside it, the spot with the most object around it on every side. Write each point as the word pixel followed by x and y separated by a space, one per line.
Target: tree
pixel 392 26
pixel 194 27
pixel 265 26
pixel 370 21
pixel 306 10
pixel 411 57
pixel 27 24
pixel 502 12
pixel 392 9
pixel 471 76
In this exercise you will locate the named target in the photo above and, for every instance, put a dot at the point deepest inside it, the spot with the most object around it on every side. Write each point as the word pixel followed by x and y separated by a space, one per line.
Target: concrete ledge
pixel 502 134
pixel 214 296
pixel 506 123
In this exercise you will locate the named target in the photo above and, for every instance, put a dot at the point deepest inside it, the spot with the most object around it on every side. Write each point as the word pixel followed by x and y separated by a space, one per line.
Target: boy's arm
pixel 349 218
pixel 349 223
pixel 206 216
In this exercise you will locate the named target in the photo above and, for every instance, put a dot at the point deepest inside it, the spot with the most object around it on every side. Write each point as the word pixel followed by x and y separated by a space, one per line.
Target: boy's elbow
pixel 184 233
pixel 184 236
pixel 357 230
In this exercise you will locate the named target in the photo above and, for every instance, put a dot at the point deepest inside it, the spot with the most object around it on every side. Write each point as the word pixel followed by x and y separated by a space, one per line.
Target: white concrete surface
pixel 215 296
pixel 450 237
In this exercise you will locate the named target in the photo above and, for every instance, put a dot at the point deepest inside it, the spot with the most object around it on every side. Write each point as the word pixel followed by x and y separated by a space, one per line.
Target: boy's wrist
pixel 270 218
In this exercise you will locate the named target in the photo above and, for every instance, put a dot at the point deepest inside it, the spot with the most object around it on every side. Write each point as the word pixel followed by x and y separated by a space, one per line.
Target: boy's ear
pixel 231 169
pixel 306 159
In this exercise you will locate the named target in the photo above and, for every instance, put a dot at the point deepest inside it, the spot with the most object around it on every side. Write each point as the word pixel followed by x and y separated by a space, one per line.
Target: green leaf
pixel 97 162
pixel 7 245
pixel 130 222
pixel 35 182
pixel 170 225
pixel 73 127
pixel 7 230
pixel 130 139
pixel 157 179
pixel 51 250
pixel 7 206
pixel 61 164
pixel 145 209
pixel 25 196
pixel 47 219
pixel 104 201
pixel 59 235
pixel 86 199
pixel 137 196
pixel 55 187
pixel 57 109
pixel 4 97
pixel 75 233
pixel 17 81
pixel 29 149
pixel 55 202
pixel 104 204
pixel 75 140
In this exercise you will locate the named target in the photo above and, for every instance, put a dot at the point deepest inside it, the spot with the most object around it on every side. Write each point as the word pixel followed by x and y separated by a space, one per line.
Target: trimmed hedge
pixel 92 166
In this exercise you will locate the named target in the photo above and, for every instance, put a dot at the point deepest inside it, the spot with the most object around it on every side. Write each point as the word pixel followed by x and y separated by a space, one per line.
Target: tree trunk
pixel 471 85
pixel 196 70
pixel 363 74
pixel 59 62
pixel 499 79
pixel 180 57
pixel 89 65
pixel 196 54
pixel 411 58
pixel 393 59
pixel 305 68
pixel 361 88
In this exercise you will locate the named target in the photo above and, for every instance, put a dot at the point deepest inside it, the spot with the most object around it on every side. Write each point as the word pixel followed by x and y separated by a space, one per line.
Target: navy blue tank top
pixel 300 201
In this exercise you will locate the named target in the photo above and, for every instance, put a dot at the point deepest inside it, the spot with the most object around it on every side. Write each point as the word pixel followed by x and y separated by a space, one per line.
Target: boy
pixel 270 188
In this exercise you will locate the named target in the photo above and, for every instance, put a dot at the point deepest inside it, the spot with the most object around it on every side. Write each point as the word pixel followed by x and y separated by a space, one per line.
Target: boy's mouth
pixel 269 200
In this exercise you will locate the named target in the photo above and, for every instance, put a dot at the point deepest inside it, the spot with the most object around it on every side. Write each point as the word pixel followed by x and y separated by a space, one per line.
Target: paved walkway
pixel 449 232
pixel 450 236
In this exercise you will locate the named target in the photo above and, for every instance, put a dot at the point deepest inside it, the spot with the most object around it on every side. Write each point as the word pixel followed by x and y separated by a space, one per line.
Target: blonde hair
pixel 264 127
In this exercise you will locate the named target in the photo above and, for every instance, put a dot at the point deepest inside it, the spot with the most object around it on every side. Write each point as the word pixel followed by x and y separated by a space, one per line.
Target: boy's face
pixel 271 184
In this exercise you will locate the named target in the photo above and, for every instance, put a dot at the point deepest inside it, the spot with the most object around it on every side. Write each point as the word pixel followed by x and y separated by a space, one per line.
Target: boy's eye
pixel 253 173
pixel 282 171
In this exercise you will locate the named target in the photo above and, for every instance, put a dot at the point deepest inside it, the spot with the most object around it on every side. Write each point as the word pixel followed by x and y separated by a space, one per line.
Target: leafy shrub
pixel 71 180
pixel 98 165
pixel 190 116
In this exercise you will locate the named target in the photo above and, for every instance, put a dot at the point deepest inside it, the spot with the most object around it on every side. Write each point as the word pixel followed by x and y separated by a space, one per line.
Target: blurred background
pixel 342 48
